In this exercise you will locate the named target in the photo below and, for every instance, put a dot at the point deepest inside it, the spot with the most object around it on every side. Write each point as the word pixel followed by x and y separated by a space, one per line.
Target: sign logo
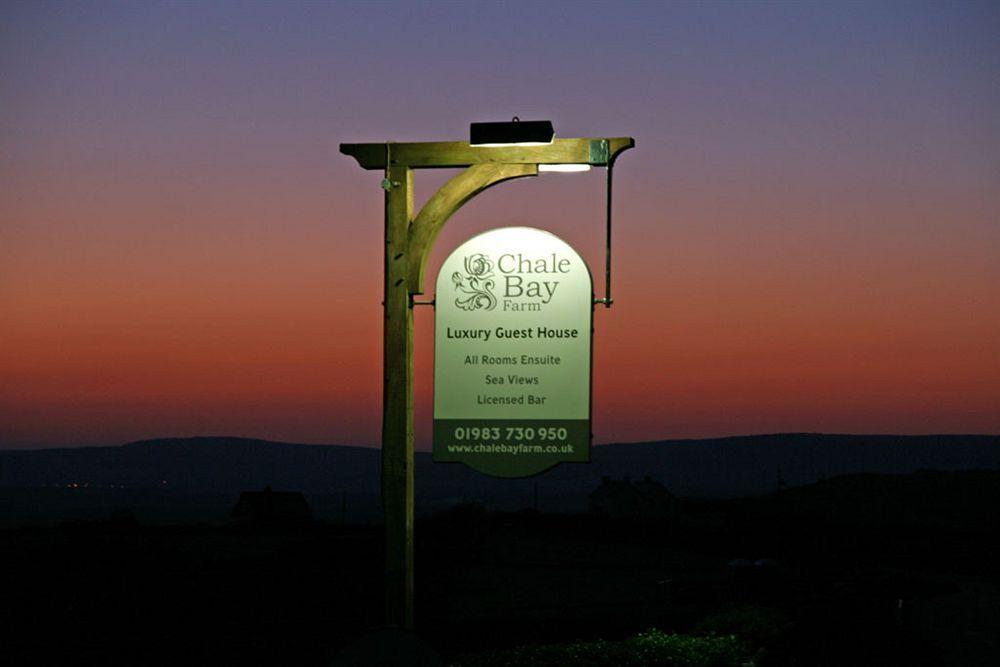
pixel 512 354
pixel 476 286
pixel 527 280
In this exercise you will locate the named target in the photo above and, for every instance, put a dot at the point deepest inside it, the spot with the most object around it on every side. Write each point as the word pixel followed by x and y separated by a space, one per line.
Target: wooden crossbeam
pixel 452 154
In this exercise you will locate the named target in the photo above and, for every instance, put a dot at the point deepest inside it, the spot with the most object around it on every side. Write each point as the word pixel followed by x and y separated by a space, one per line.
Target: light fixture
pixel 514 133
pixel 563 168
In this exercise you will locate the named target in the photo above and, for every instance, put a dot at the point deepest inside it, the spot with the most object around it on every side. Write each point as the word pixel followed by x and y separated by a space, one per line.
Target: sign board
pixel 512 354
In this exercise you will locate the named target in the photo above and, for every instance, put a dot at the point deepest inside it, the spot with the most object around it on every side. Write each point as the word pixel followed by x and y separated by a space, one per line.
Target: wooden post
pixel 397 400
pixel 408 243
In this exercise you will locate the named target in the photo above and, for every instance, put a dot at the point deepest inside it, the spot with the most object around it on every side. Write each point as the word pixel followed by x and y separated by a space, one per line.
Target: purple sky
pixel 807 233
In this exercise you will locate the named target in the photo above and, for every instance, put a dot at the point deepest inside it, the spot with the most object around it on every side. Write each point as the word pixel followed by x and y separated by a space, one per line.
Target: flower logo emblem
pixel 476 286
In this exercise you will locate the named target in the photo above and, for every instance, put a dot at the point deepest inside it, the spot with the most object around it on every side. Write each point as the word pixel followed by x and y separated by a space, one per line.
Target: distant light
pixel 564 168
pixel 514 133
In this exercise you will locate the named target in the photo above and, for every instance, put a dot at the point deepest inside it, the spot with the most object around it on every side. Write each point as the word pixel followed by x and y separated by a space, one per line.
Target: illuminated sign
pixel 512 354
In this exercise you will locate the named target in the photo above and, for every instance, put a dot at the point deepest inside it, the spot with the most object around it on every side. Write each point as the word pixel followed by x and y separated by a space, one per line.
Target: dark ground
pixel 905 578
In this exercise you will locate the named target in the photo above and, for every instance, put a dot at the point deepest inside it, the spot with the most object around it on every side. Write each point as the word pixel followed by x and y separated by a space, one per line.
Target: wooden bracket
pixel 444 203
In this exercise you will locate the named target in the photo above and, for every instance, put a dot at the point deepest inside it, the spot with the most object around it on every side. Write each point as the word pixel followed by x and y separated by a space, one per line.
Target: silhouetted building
pixel 271 507
pixel 625 499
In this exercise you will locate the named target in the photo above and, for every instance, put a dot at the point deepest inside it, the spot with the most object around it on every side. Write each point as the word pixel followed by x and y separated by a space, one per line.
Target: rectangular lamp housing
pixel 520 132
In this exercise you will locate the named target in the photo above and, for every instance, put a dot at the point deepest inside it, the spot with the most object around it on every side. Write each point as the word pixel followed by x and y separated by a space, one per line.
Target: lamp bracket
pixel 599 151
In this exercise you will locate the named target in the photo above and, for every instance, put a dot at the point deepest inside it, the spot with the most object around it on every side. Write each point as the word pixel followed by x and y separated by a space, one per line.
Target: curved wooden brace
pixel 443 204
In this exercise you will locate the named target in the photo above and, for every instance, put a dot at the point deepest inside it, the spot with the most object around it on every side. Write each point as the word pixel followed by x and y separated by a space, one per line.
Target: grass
pixel 645 649
pixel 759 626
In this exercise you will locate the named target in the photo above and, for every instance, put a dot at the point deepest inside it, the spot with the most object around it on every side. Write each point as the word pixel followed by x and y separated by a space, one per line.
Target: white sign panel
pixel 512 354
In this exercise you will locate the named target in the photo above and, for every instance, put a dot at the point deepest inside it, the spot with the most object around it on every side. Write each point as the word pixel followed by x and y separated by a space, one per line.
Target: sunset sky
pixel 807 234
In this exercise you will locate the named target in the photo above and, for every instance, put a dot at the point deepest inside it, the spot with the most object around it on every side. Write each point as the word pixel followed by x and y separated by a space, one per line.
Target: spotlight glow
pixel 563 168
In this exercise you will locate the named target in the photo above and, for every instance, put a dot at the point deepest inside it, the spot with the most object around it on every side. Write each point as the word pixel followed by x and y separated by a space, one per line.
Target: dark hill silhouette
pixel 222 467
pixel 749 465
pixel 964 499
pixel 196 465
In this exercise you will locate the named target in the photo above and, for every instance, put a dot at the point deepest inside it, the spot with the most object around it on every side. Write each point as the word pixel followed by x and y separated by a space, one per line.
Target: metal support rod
pixel 607 261
pixel 607 300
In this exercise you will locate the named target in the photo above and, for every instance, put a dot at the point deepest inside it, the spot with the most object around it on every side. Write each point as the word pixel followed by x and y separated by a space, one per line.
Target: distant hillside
pixel 196 465
pixel 965 499
pixel 222 467
pixel 749 465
